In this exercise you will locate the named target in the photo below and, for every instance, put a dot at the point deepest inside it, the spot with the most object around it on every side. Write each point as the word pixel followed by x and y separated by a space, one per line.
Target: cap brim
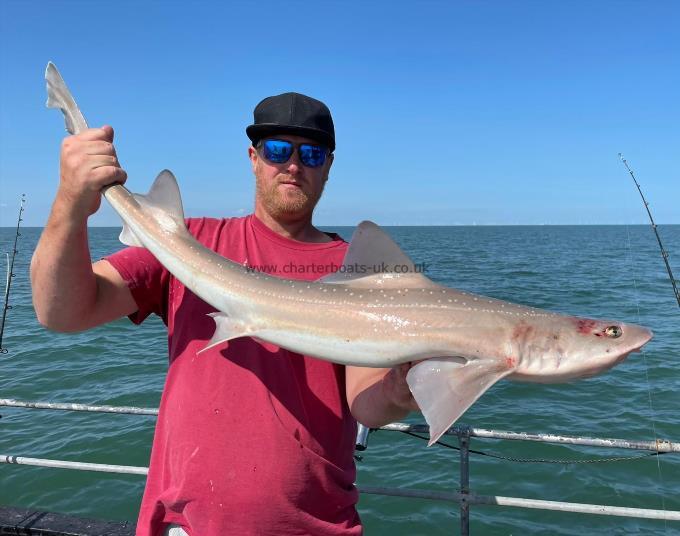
pixel 257 132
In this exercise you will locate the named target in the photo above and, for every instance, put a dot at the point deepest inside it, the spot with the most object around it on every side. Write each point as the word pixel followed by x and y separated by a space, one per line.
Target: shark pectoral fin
pixel 164 203
pixel 226 329
pixel 445 388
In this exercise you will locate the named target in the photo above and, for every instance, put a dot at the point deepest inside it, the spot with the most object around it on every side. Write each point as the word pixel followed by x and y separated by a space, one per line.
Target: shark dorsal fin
pixel 164 195
pixel 164 201
pixel 373 260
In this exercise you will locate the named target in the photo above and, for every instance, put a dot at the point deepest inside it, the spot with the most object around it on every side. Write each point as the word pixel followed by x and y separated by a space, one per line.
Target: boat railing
pixel 464 497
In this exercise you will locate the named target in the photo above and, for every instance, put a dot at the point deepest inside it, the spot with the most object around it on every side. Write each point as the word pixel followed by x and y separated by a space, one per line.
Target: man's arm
pixel 379 396
pixel 69 292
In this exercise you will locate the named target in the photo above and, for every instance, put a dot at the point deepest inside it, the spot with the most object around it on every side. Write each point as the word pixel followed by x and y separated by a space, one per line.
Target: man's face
pixel 290 190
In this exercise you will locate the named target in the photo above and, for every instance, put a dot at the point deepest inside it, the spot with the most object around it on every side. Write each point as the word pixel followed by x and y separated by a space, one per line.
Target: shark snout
pixel 637 336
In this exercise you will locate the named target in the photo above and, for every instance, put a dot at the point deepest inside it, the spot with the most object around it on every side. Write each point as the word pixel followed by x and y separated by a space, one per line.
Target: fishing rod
pixel 664 253
pixel 10 273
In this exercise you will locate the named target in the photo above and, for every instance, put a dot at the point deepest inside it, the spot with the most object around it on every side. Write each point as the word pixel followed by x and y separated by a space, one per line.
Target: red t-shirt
pixel 248 441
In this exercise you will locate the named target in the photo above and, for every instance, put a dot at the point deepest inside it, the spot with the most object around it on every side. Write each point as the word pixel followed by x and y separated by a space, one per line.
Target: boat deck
pixel 17 521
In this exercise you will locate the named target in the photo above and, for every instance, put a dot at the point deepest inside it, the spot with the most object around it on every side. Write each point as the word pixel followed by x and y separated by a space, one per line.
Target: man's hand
pixel 396 389
pixel 88 164
pixel 379 396
pixel 69 293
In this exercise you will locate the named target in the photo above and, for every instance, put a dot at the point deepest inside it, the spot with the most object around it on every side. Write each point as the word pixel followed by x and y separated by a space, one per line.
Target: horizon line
pixel 414 225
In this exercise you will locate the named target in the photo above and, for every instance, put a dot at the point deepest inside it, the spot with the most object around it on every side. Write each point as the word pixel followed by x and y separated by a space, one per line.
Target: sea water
pixel 611 272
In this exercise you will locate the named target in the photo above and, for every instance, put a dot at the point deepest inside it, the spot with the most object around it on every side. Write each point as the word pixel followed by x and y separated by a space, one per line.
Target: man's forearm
pixel 372 408
pixel 64 285
pixel 379 396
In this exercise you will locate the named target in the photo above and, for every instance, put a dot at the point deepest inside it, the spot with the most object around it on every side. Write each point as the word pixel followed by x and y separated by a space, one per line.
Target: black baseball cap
pixel 292 113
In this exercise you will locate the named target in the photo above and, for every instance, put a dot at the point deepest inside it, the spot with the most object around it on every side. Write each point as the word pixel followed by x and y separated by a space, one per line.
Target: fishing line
pixel 664 255
pixel 542 460
pixel 644 357
pixel 10 274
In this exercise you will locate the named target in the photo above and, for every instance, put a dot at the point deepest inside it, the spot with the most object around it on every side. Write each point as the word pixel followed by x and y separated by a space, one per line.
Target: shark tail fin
pixel 445 388
pixel 163 203
pixel 58 96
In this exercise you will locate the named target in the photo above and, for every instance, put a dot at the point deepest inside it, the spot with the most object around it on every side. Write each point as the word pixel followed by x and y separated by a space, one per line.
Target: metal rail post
pixel 464 441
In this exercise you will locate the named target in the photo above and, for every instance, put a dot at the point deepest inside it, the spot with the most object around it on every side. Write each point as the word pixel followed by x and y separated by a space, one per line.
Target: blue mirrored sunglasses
pixel 280 151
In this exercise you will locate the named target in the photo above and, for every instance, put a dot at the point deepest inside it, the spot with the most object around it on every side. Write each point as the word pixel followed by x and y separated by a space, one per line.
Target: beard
pixel 287 202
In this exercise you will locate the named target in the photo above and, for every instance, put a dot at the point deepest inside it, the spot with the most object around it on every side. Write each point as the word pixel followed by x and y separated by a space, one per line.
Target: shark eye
pixel 613 331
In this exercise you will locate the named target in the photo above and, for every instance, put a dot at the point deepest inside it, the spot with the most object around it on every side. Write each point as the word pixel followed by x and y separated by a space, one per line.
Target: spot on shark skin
pixel 585 326
pixel 522 332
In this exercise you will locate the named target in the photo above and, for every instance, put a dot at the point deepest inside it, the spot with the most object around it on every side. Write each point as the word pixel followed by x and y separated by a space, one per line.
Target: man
pixel 250 439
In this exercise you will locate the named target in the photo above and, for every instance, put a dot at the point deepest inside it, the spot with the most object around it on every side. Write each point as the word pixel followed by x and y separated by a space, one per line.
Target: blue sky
pixel 446 112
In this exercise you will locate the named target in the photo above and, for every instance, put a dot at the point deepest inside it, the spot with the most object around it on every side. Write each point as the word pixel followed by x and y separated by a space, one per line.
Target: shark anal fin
pixel 445 388
pixel 129 238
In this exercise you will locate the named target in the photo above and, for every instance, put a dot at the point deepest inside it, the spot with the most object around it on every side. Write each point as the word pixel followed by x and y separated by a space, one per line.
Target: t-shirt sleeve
pixel 146 278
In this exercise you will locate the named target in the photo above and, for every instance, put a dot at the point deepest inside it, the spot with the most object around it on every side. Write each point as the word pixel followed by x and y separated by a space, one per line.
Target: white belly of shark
pixel 467 342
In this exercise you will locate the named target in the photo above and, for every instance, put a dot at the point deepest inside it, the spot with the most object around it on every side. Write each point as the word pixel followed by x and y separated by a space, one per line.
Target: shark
pixel 378 310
